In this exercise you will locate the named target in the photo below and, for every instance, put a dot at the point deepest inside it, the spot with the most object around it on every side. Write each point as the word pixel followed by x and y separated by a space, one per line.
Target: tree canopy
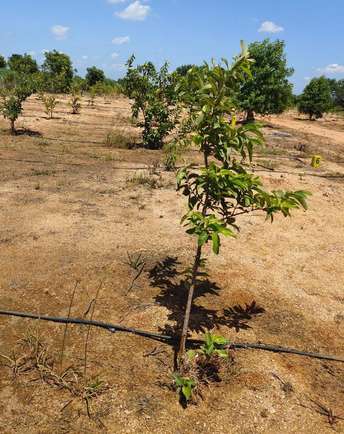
pixel 58 71
pixel 94 75
pixel 268 90
pixel 316 98
pixel 22 64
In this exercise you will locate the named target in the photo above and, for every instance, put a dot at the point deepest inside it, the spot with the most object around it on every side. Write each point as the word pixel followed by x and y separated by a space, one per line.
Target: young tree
pixel 222 189
pixel 58 71
pixel 13 92
pixel 316 98
pixel 22 64
pixel 268 90
pixel 79 85
pixel 50 103
pixel 154 98
pixel 75 103
pixel 94 75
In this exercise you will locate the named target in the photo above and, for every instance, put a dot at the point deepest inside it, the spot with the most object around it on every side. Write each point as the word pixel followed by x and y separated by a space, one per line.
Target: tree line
pixel 55 75
pixel 266 89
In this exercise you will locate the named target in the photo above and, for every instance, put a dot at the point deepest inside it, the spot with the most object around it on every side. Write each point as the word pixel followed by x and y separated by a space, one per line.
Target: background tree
pixel 3 62
pixel 22 64
pixel 58 70
pixel 337 92
pixel 154 98
pixel 268 90
pixel 94 75
pixel 222 190
pixel 316 98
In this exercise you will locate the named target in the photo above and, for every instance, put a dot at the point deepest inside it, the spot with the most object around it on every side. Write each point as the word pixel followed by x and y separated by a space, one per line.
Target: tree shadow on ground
pixel 27 132
pixel 174 291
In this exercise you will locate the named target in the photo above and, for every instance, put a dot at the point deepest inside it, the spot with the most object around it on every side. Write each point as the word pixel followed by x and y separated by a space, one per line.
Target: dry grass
pixel 120 140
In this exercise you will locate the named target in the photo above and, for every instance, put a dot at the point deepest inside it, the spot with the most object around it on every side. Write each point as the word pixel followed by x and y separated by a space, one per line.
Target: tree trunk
pixel 250 116
pixel 189 302
pixel 192 286
pixel 13 129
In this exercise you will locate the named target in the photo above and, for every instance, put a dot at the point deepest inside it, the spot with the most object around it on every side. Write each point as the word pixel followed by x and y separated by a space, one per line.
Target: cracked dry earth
pixel 70 211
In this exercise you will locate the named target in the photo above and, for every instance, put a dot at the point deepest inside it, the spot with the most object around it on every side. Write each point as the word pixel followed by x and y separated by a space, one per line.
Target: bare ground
pixel 68 213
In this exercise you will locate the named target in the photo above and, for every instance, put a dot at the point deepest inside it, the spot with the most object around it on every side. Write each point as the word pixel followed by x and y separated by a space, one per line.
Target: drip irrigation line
pixel 113 328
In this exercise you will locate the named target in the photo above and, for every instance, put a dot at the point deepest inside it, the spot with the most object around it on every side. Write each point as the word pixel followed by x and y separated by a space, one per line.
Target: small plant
pixel 75 103
pixel 11 108
pixel 50 102
pixel 213 346
pixel 185 386
pixel 92 96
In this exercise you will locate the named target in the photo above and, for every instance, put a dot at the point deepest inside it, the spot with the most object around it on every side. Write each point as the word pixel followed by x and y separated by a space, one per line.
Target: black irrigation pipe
pixel 113 328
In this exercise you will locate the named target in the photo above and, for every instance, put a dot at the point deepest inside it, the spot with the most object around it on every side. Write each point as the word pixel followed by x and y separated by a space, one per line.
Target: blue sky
pixel 106 32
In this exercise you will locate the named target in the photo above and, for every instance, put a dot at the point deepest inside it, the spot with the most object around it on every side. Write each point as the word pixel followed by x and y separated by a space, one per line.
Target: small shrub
pixel 50 102
pixel 75 104
pixel 201 367
pixel 119 139
pixel 11 108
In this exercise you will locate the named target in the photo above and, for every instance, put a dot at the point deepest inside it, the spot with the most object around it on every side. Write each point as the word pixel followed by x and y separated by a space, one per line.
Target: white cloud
pixel 333 68
pixel 270 27
pixel 84 57
pixel 115 2
pixel 60 32
pixel 114 55
pixel 120 40
pixel 136 11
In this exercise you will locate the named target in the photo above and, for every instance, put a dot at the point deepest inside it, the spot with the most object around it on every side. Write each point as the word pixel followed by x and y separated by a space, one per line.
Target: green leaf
pixel 203 238
pixel 216 242
pixel 187 392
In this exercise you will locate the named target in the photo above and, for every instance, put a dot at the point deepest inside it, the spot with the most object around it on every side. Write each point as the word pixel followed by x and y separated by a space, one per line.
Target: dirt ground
pixel 70 211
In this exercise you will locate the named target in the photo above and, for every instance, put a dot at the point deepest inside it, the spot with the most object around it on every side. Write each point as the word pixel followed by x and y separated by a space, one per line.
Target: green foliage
pixel 3 62
pixel 58 71
pixel 337 92
pixel 182 70
pixel 267 90
pixel 223 189
pixel 213 346
pixel 79 85
pixel 316 98
pixel 94 75
pixel 14 90
pixel 185 386
pixel 22 64
pixel 50 102
pixel 154 99
pixel 11 108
